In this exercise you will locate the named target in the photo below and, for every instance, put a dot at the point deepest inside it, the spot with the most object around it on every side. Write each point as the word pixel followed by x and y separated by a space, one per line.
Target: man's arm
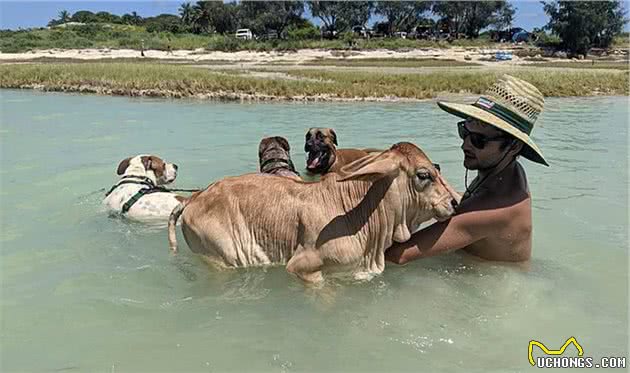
pixel 456 233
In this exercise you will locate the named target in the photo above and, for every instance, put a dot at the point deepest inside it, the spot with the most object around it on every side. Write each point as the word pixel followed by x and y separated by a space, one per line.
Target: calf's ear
pixel 372 167
pixel 357 164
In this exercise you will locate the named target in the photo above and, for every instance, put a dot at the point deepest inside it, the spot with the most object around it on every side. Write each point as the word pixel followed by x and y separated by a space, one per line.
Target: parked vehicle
pixel 400 34
pixel 329 34
pixel 425 32
pixel 269 36
pixel 520 36
pixel 503 56
pixel 244 33
pixel 515 34
pixel 361 31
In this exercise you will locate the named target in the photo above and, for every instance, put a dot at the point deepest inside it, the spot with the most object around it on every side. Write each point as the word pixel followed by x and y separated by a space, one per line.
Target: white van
pixel 244 33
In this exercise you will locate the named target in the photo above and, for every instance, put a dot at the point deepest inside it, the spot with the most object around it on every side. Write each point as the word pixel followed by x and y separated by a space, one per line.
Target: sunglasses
pixel 478 140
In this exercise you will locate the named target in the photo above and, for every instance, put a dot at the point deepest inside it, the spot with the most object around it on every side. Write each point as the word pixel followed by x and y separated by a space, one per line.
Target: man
pixel 493 219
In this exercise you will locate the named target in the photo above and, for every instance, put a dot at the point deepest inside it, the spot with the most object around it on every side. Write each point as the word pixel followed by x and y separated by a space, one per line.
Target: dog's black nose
pixel 175 166
pixel 454 203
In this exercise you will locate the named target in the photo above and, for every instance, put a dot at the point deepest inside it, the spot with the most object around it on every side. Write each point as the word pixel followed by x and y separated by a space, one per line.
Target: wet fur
pixel 347 220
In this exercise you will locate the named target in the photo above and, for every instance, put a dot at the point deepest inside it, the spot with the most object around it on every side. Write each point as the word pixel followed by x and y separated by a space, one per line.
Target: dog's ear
pixel 262 146
pixel 284 143
pixel 154 163
pixel 334 136
pixel 146 162
pixel 309 133
pixel 122 166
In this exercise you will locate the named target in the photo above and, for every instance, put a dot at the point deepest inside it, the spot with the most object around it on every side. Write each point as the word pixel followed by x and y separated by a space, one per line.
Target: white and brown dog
pixel 139 194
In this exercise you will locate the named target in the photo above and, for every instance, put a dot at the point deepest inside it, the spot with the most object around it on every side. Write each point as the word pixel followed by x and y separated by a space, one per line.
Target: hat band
pixel 505 114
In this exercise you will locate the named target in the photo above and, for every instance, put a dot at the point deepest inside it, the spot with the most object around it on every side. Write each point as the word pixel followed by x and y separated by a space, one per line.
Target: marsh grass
pixel 550 82
pixel 621 65
pixel 131 60
pixel 164 80
pixel 389 62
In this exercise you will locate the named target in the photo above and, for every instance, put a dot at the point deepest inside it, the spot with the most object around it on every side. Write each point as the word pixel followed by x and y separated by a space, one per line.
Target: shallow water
pixel 85 292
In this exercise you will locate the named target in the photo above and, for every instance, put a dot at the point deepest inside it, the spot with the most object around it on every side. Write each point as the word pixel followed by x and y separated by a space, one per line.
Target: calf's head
pixel 415 192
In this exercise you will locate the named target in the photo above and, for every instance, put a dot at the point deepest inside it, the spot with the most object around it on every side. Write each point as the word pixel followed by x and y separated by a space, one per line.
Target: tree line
pixel 263 17
pixel 580 25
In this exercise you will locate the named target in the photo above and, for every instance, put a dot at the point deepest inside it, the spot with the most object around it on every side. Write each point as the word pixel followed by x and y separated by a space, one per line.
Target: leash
pixel 179 190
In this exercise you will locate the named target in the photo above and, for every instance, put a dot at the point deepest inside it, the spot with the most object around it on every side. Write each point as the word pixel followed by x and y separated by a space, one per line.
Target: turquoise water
pixel 85 292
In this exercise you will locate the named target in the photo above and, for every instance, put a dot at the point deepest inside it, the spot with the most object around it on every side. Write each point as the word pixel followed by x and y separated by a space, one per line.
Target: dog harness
pixel 140 180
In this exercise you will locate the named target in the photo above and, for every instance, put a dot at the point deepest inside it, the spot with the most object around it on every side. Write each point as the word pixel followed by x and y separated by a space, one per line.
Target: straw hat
pixel 511 105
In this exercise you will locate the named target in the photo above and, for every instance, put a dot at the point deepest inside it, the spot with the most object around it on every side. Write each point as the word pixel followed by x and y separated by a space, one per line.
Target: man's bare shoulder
pixel 494 211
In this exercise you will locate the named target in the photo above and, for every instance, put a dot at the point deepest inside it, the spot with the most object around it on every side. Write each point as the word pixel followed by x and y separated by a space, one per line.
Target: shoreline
pixel 225 96
pixel 216 96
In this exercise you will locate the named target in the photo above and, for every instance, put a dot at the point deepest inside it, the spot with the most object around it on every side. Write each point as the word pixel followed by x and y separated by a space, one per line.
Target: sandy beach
pixel 480 56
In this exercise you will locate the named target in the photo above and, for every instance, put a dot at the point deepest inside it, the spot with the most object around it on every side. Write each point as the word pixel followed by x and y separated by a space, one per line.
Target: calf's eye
pixel 423 175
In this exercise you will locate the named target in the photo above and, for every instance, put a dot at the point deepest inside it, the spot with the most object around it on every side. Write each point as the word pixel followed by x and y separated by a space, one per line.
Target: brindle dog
pixel 274 157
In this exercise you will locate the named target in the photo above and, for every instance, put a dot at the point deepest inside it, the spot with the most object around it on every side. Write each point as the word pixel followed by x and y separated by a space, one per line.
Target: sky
pixel 25 14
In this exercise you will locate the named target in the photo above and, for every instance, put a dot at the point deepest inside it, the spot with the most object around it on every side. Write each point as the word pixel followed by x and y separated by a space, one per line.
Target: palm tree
pixel 187 13
pixel 136 18
pixel 64 16
pixel 201 18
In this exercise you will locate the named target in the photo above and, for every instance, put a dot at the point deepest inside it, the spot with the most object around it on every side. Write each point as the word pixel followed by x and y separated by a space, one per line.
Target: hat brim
pixel 464 111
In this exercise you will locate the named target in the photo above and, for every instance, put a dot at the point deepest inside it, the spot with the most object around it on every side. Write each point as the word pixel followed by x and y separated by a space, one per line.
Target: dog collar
pixel 132 179
pixel 277 160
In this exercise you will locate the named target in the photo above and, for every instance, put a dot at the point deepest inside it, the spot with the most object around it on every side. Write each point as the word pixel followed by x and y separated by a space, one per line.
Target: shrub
pixel 304 33
pixel 89 30
pixel 224 43
pixel 545 40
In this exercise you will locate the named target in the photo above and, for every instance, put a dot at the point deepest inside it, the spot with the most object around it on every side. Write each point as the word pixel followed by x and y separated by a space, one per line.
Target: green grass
pixel 164 80
pixel 124 36
pixel 622 65
pixel 621 41
pixel 389 62
pixel 97 36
